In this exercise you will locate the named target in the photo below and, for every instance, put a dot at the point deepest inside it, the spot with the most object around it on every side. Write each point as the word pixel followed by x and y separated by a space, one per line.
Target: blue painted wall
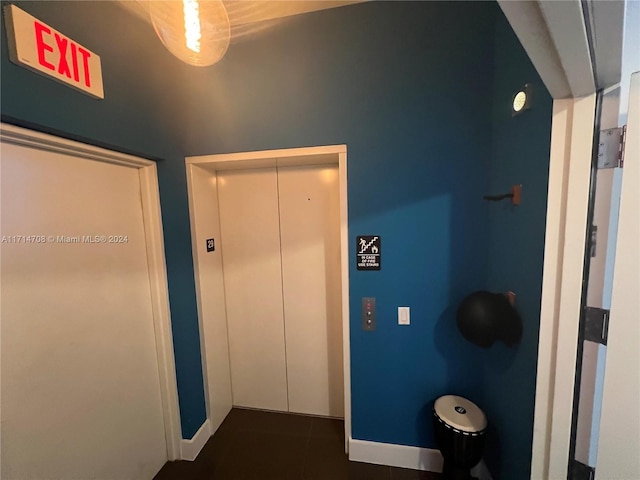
pixel 414 90
pixel 407 87
pixel 143 113
pixel 519 155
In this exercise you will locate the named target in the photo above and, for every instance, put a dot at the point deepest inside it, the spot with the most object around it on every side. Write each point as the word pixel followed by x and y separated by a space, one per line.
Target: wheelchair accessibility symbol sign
pixel 368 252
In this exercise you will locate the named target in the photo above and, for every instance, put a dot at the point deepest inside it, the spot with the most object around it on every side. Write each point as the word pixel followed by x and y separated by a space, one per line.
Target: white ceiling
pixel 249 17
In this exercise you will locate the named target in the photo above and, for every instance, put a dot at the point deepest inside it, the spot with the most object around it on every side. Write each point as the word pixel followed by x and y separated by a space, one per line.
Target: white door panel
pixel 80 385
pixel 619 441
pixel 310 229
pixel 253 287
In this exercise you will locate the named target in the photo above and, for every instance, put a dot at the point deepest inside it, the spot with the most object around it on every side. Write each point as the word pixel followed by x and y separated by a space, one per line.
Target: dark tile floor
pixel 255 445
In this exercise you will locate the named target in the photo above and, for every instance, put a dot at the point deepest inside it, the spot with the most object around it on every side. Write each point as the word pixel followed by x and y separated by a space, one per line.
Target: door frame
pixel 556 38
pixel 152 221
pixel 321 155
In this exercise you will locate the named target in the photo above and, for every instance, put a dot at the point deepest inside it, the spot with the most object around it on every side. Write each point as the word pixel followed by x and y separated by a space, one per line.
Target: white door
pixel 310 232
pixel 281 258
pixel 80 384
pixel 248 202
pixel 619 441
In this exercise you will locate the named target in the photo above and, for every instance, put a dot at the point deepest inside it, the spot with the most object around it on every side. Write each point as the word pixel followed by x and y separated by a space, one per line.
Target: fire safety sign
pixel 369 252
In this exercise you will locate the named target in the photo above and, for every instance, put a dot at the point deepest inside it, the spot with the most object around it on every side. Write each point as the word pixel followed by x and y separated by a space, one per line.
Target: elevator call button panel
pixel 368 313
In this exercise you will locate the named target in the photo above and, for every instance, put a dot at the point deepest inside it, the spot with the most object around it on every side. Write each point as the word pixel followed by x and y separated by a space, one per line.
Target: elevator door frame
pixel 293 157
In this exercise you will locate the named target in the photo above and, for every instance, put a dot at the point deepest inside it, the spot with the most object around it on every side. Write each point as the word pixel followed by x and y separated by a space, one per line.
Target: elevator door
pixel 281 259
pixel 248 202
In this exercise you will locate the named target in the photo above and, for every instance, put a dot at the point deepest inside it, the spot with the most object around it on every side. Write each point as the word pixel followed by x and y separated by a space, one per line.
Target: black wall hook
pixel 514 195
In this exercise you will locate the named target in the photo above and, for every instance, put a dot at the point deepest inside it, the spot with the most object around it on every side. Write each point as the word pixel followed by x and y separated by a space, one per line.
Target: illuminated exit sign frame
pixel 35 45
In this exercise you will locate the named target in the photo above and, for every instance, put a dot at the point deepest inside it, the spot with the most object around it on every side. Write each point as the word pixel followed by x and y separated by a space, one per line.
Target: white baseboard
pixel 189 449
pixel 403 456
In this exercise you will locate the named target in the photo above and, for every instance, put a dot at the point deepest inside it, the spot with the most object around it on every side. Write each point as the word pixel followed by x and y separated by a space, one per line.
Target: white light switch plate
pixel 404 316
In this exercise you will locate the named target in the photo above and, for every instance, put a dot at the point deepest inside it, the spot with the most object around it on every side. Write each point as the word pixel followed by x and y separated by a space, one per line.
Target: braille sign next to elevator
pixel 369 252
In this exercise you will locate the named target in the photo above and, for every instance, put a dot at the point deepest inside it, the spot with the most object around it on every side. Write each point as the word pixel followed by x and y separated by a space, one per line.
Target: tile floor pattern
pixel 255 445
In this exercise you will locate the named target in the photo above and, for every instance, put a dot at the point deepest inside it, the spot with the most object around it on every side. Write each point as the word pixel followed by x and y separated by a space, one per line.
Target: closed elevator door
pixel 281 258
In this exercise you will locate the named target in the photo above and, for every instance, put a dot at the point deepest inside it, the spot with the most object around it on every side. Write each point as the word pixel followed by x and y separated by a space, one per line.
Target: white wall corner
pixel 566 26
pixel 530 27
pixel 403 456
pixel 189 449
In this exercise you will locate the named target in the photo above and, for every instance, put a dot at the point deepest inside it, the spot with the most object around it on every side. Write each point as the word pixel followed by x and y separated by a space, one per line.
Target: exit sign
pixel 38 47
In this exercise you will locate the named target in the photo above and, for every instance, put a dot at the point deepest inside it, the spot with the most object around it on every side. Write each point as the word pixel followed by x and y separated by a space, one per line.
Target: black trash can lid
pixel 460 413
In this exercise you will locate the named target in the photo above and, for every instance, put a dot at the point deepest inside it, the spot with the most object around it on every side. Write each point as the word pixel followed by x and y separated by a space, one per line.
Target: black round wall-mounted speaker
pixel 484 317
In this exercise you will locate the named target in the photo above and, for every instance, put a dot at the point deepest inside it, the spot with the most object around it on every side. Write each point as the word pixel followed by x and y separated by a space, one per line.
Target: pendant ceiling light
pixel 195 31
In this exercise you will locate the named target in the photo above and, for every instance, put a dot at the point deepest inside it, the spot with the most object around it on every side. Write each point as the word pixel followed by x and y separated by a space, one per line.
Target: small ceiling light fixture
pixel 521 100
pixel 196 31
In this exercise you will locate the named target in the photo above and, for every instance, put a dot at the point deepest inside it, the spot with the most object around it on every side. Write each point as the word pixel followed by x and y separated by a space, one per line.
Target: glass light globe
pixel 195 31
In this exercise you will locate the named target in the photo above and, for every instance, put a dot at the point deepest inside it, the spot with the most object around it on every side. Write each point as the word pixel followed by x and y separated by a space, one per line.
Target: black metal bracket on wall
pixel 596 325
pixel 580 471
